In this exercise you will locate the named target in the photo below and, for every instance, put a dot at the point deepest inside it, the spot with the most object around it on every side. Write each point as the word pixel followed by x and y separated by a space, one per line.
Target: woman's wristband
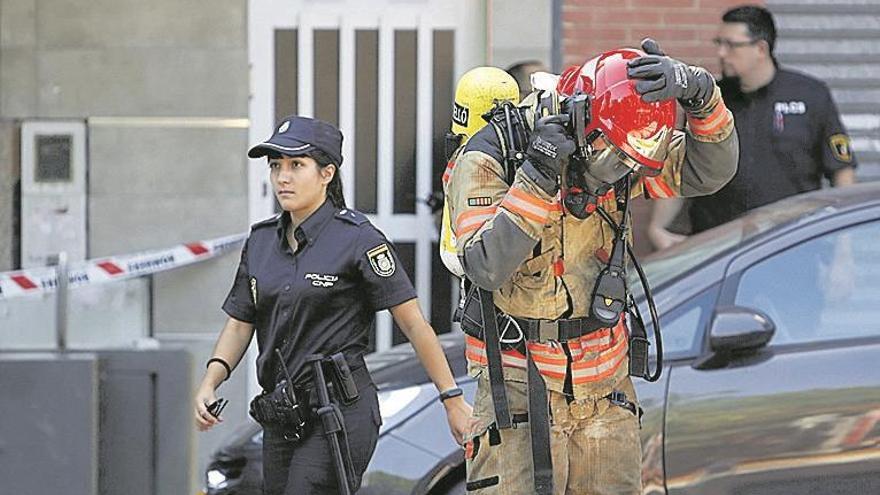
pixel 448 394
pixel 224 363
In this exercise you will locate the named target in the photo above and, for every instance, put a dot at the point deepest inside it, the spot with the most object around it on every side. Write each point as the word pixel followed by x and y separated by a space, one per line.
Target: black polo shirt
pixel 790 136
pixel 320 299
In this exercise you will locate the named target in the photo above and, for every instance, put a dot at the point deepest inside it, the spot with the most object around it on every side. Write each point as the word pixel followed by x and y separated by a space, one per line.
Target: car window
pixel 682 327
pixel 668 264
pixel 826 288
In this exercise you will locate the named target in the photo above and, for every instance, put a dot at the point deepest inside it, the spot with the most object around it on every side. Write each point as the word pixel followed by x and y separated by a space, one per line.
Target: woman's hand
pixel 458 413
pixel 204 420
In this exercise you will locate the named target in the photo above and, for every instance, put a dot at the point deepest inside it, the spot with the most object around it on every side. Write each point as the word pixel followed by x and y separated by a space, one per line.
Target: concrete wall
pixel 164 88
pixel 123 64
pixel 520 30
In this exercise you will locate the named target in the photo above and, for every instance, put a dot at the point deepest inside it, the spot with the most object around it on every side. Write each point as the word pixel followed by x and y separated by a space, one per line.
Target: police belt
pixel 278 408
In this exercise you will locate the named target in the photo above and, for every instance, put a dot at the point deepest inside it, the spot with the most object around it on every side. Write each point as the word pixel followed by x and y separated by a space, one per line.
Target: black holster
pixel 281 407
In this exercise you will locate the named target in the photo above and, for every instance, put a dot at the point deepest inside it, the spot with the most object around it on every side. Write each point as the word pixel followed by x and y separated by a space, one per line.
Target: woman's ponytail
pixel 334 189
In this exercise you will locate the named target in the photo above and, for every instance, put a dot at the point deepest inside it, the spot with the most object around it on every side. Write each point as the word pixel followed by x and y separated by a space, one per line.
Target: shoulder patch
pixel 480 201
pixel 351 216
pixel 273 220
pixel 841 147
pixel 381 260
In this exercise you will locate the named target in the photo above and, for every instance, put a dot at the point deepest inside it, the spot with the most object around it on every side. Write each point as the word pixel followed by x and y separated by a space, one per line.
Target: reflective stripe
pixel 597 341
pixel 658 188
pixel 527 205
pixel 719 118
pixel 611 345
pixel 476 351
pixel 448 172
pixel 606 364
pixel 549 359
pixel 473 219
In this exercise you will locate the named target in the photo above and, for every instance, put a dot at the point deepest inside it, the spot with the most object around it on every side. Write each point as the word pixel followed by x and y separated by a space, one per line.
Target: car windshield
pixel 664 266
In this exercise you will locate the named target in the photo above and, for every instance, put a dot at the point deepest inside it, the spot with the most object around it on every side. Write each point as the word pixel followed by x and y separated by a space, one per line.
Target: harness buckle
pixel 618 398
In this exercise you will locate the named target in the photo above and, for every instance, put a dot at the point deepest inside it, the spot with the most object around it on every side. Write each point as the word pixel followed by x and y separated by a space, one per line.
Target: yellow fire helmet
pixel 477 91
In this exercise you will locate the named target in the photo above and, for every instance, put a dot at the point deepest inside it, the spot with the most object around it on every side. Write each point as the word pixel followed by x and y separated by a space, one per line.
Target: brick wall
pixel 684 28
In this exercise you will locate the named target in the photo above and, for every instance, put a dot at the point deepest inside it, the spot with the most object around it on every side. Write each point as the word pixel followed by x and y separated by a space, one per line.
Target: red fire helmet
pixel 639 130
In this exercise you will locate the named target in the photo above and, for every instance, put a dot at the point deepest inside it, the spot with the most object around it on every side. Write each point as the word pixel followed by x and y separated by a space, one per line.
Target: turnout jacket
pixel 541 263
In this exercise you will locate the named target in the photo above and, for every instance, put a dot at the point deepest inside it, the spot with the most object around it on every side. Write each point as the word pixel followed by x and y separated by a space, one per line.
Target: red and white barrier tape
pixel 102 270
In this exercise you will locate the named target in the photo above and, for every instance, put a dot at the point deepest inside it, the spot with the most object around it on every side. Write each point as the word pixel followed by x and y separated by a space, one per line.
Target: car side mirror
pixel 735 328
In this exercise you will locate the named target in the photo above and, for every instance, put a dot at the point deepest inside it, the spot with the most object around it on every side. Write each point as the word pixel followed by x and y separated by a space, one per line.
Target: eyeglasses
pixel 729 44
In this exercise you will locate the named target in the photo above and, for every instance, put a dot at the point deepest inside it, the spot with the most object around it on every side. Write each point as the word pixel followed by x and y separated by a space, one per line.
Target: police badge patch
pixel 841 147
pixel 254 289
pixel 381 260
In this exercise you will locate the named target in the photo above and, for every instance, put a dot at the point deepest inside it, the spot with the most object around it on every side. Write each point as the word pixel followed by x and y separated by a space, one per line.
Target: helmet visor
pixel 649 146
pixel 606 165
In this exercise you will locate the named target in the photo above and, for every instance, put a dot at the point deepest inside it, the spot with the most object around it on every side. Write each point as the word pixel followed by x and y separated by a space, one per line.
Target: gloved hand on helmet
pixel 550 148
pixel 661 78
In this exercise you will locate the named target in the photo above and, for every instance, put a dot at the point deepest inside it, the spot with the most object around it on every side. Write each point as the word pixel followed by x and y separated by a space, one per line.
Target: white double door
pixel 384 72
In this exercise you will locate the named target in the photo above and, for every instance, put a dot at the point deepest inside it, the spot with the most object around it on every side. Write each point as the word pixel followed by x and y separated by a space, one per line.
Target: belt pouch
pixel 343 379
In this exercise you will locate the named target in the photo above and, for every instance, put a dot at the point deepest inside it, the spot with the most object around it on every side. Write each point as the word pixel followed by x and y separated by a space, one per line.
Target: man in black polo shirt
pixel 789 130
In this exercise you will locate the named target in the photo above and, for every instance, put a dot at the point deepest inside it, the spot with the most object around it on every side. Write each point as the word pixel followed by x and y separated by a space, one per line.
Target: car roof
pixel 702 249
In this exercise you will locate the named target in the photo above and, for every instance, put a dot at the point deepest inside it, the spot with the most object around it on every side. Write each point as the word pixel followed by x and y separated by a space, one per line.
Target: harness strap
pixel 539 423
pixel 493 356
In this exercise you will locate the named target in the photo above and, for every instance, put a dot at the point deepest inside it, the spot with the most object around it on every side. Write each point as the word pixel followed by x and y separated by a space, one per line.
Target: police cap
pixel 299 136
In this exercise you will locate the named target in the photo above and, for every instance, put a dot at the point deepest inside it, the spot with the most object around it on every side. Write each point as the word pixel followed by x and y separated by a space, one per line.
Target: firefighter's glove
pixel 660 78
pixel 550 148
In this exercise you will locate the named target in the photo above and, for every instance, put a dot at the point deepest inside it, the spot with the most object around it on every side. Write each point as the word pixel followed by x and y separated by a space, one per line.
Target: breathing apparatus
pixel 477 92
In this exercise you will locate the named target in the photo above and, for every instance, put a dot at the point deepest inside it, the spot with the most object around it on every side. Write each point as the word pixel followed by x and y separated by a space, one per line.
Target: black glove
pixel 550 148
pixel 661 78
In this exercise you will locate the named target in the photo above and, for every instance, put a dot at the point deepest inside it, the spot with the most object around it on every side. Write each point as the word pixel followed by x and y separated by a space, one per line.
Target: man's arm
pixel 497 225
pixel 844 177
pixel 663 211
pixel 493 240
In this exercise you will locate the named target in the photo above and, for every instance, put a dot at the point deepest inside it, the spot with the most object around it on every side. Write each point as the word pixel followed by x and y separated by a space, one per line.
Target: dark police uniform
pixel 320 299
pixel 790 136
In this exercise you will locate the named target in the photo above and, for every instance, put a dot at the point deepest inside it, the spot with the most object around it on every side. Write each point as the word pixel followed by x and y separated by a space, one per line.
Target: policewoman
pixel 309 284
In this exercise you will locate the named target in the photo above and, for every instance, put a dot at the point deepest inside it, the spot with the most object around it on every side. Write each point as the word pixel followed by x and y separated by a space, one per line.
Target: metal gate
pixel 383 71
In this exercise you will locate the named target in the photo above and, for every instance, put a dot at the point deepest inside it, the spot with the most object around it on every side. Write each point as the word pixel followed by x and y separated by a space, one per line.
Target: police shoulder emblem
pixel 841 147
pixel 254 289
pixel 381 260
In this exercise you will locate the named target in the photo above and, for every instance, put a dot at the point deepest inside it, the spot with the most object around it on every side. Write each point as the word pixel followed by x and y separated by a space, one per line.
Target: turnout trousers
pixel 594 445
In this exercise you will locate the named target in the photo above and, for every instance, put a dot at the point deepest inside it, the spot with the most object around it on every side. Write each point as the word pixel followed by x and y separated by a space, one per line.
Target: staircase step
pixel 830 8
pixel 859 108
pixel 828 58
pixel 837 33
pixel 855 96
pixel 865 123
pixel 827 46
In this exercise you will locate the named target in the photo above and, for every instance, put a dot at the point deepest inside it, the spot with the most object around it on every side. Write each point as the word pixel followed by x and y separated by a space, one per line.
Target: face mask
pixel 604 166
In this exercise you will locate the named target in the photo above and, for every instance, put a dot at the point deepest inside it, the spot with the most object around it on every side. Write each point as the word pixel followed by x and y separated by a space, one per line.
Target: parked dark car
pixel 771 333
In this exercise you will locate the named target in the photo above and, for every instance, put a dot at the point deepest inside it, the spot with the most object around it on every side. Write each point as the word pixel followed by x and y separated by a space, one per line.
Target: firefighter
pixel 537 218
